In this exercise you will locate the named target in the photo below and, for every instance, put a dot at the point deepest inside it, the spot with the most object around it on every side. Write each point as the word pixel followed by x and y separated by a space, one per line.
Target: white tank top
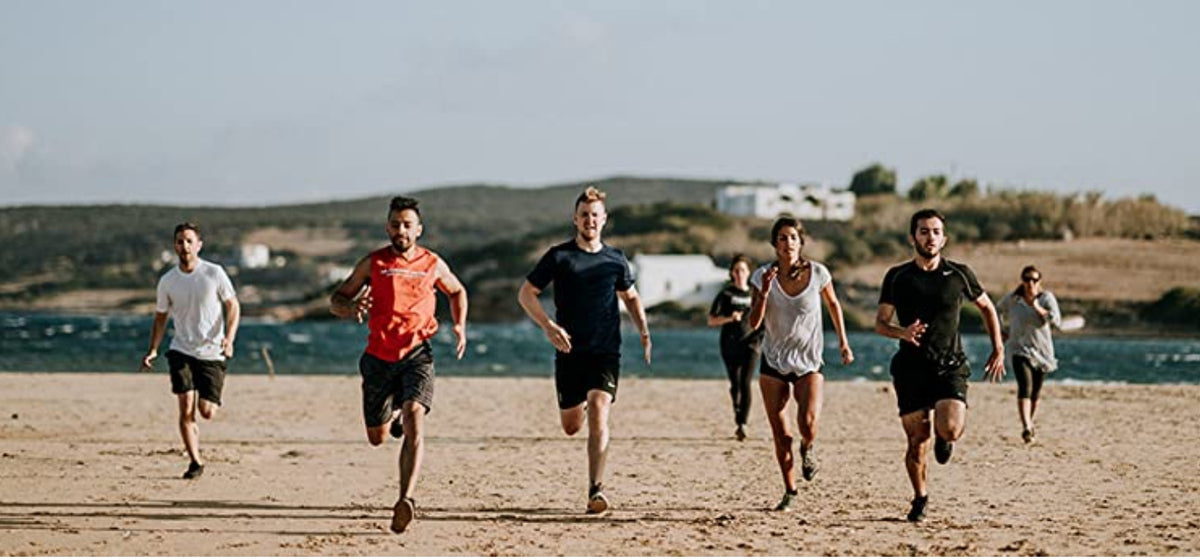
pixel 795 337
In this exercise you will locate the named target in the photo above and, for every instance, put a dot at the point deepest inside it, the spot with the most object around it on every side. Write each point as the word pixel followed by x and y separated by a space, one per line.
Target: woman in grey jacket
pixel 1030 311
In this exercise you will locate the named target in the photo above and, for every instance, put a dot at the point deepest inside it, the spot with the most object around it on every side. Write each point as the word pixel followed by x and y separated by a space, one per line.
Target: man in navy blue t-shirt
pixel 588 277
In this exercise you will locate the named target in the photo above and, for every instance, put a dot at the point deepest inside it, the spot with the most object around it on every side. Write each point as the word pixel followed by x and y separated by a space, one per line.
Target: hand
pixel 646 346
pixel 558 337
pixel 460 332
pixel 227 347
pixel 768 276
pixel 148 360
pixel 914 332
pixel 362 304
pixel 847 355
pixel 994 369
pixel 735 316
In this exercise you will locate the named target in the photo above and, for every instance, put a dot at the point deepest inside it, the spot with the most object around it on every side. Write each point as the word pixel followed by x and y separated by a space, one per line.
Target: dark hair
pixel 401 203
pixel 186 226
pixel 589 195
pixel 1025 271
pixel 789 221
pixel 924 214
pixel 740 258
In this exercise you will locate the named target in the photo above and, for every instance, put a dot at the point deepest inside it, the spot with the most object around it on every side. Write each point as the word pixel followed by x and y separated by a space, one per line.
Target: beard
pixel 401 245
pixel 926 253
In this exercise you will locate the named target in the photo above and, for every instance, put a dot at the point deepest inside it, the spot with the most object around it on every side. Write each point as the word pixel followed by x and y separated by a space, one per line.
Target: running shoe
pixel 397 428
pixel 942 450
pixel 597 503
pixel 1027 435
pixel 808 463
pixel 194 471
pixel 917 513
pixel 785 504
pixel 403 513
pixel 740 434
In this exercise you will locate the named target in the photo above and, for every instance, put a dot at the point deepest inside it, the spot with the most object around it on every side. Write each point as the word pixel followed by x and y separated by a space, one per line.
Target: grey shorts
pixel 387 385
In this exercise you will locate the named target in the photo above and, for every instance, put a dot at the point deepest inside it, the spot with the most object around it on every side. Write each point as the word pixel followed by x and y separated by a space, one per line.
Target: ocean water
pixel 34 342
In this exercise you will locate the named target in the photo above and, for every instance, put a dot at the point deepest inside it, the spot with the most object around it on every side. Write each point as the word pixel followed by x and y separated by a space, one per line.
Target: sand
pixel 90 466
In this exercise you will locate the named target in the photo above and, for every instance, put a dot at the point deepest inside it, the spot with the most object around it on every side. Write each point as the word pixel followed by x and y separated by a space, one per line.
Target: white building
pixel 254 255
pixel 689 280
pixel 807 202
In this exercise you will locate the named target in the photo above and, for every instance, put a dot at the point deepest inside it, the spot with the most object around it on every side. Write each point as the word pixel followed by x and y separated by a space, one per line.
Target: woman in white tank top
pixel 786 296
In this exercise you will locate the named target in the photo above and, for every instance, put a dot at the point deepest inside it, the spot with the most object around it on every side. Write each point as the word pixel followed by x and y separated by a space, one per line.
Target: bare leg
pixel 599 405
pixel 775 398
pixel 187 425
pixel 413 449
pixel 1025 410
pixel 809 393
pixel 572 418
pixel 950 419
pixel 917 429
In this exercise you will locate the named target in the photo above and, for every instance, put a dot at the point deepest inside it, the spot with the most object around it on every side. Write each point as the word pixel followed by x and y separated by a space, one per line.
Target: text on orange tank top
pixel 404 302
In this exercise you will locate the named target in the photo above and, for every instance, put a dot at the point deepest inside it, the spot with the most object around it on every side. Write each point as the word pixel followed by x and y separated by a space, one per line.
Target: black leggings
pixel 739 366
pixel 1029 378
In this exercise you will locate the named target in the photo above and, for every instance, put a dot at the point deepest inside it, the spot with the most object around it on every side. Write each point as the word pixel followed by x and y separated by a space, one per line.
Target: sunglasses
pixel 1031 278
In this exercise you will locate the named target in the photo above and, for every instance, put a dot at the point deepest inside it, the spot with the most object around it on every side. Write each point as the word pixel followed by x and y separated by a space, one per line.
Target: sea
pixel 52 342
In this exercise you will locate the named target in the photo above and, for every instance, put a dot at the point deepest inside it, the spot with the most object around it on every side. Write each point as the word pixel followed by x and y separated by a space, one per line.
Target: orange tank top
pixel 402 313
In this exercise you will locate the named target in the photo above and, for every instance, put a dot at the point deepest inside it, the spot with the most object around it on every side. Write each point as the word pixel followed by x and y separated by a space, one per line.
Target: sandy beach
pixel 90 466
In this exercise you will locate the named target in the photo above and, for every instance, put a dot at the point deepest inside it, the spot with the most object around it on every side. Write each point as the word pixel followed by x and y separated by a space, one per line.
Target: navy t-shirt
pixel 935 297
pixel 585 294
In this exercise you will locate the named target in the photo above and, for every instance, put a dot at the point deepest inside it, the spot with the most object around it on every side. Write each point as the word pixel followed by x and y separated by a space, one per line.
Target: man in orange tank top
pixel 394 286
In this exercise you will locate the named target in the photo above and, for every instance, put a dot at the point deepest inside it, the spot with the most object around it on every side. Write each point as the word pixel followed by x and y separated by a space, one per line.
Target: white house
pixel 807 202
pixel 689 280
pixel 254 255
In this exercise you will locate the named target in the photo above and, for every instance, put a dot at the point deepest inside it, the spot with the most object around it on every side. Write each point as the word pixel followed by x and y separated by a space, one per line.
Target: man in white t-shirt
pixel 193 294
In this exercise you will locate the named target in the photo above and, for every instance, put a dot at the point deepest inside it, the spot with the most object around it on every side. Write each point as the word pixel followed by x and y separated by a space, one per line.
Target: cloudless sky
pixel 222 102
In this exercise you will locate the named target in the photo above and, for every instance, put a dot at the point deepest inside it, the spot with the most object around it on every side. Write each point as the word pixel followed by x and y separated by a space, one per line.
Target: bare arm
pixel 156 335
pixel 718 320
pixel 527 296
pixel 633 303
pixel 885 325
pixel 449 284
pixel 758 297
pixel 233 316
pixel 839 324
pixel 347 300
pixel 994 368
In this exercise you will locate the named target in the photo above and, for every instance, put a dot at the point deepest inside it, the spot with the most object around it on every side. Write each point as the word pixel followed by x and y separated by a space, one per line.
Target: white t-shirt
pixel 193 301
pixel 795 338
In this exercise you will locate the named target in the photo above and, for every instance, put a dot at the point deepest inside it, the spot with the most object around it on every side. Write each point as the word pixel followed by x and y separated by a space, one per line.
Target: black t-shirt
pixel 585 294
pixel 729 300
pixel 935 297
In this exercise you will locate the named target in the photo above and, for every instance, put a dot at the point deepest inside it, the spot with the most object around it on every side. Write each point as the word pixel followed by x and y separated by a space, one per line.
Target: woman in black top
pixel 740 344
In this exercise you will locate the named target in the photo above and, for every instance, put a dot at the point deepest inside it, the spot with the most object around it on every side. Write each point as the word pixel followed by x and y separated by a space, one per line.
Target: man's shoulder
pixel 959 268
pixel 904 267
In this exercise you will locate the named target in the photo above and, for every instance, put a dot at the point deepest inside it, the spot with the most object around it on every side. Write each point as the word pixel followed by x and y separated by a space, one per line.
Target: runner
pixel 930 370
pixel 588 277
pixel 786 296
pixel 395 285
pixel 1031 311
pixel 193 294
pixel 741 344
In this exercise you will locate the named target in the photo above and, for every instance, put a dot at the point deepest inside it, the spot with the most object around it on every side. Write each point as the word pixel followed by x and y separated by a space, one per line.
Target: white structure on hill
pixel 254 255
pixel 807 202
pixel 689 280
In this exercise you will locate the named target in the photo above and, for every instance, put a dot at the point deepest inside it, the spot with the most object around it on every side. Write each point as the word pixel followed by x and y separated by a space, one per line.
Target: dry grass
pixel 1090 269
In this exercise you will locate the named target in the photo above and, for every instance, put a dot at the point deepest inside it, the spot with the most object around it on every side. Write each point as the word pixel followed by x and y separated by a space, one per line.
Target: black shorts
pixel 575 374
pixel 920 383
pixel 206 377
pixel 387 385
pixel 789 377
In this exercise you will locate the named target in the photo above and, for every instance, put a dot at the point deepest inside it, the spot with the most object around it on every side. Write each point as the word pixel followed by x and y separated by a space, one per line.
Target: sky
pixel 264 102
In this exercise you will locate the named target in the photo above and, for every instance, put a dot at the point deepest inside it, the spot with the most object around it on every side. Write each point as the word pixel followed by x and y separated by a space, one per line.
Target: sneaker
pixel 397 428
pixel 740 434
pixel 1027 435
pixel 942 450
pixel 917 513
pixel 194 471
pixel 403 513
pixel 597 503
pixel 808 463
pixel 785 504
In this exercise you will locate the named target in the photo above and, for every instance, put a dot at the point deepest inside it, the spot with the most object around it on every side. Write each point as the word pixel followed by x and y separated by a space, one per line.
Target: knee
pixel 572 427
pixel 207 411
pixel 377 435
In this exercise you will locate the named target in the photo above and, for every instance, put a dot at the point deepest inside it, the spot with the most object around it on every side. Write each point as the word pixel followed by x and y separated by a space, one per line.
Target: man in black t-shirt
pixel 588 276
pixel 930 370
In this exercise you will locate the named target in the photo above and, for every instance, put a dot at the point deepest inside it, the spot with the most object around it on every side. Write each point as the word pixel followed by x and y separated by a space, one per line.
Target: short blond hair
pixel 589 195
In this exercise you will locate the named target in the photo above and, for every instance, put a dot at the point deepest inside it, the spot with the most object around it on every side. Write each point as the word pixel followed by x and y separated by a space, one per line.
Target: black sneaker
pixel 942 450
pixel 397 428
pixel 194 471
pixel 1027 435
pixel 597 503
pixel 740 434
pixel 917 513
pixel 808 463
